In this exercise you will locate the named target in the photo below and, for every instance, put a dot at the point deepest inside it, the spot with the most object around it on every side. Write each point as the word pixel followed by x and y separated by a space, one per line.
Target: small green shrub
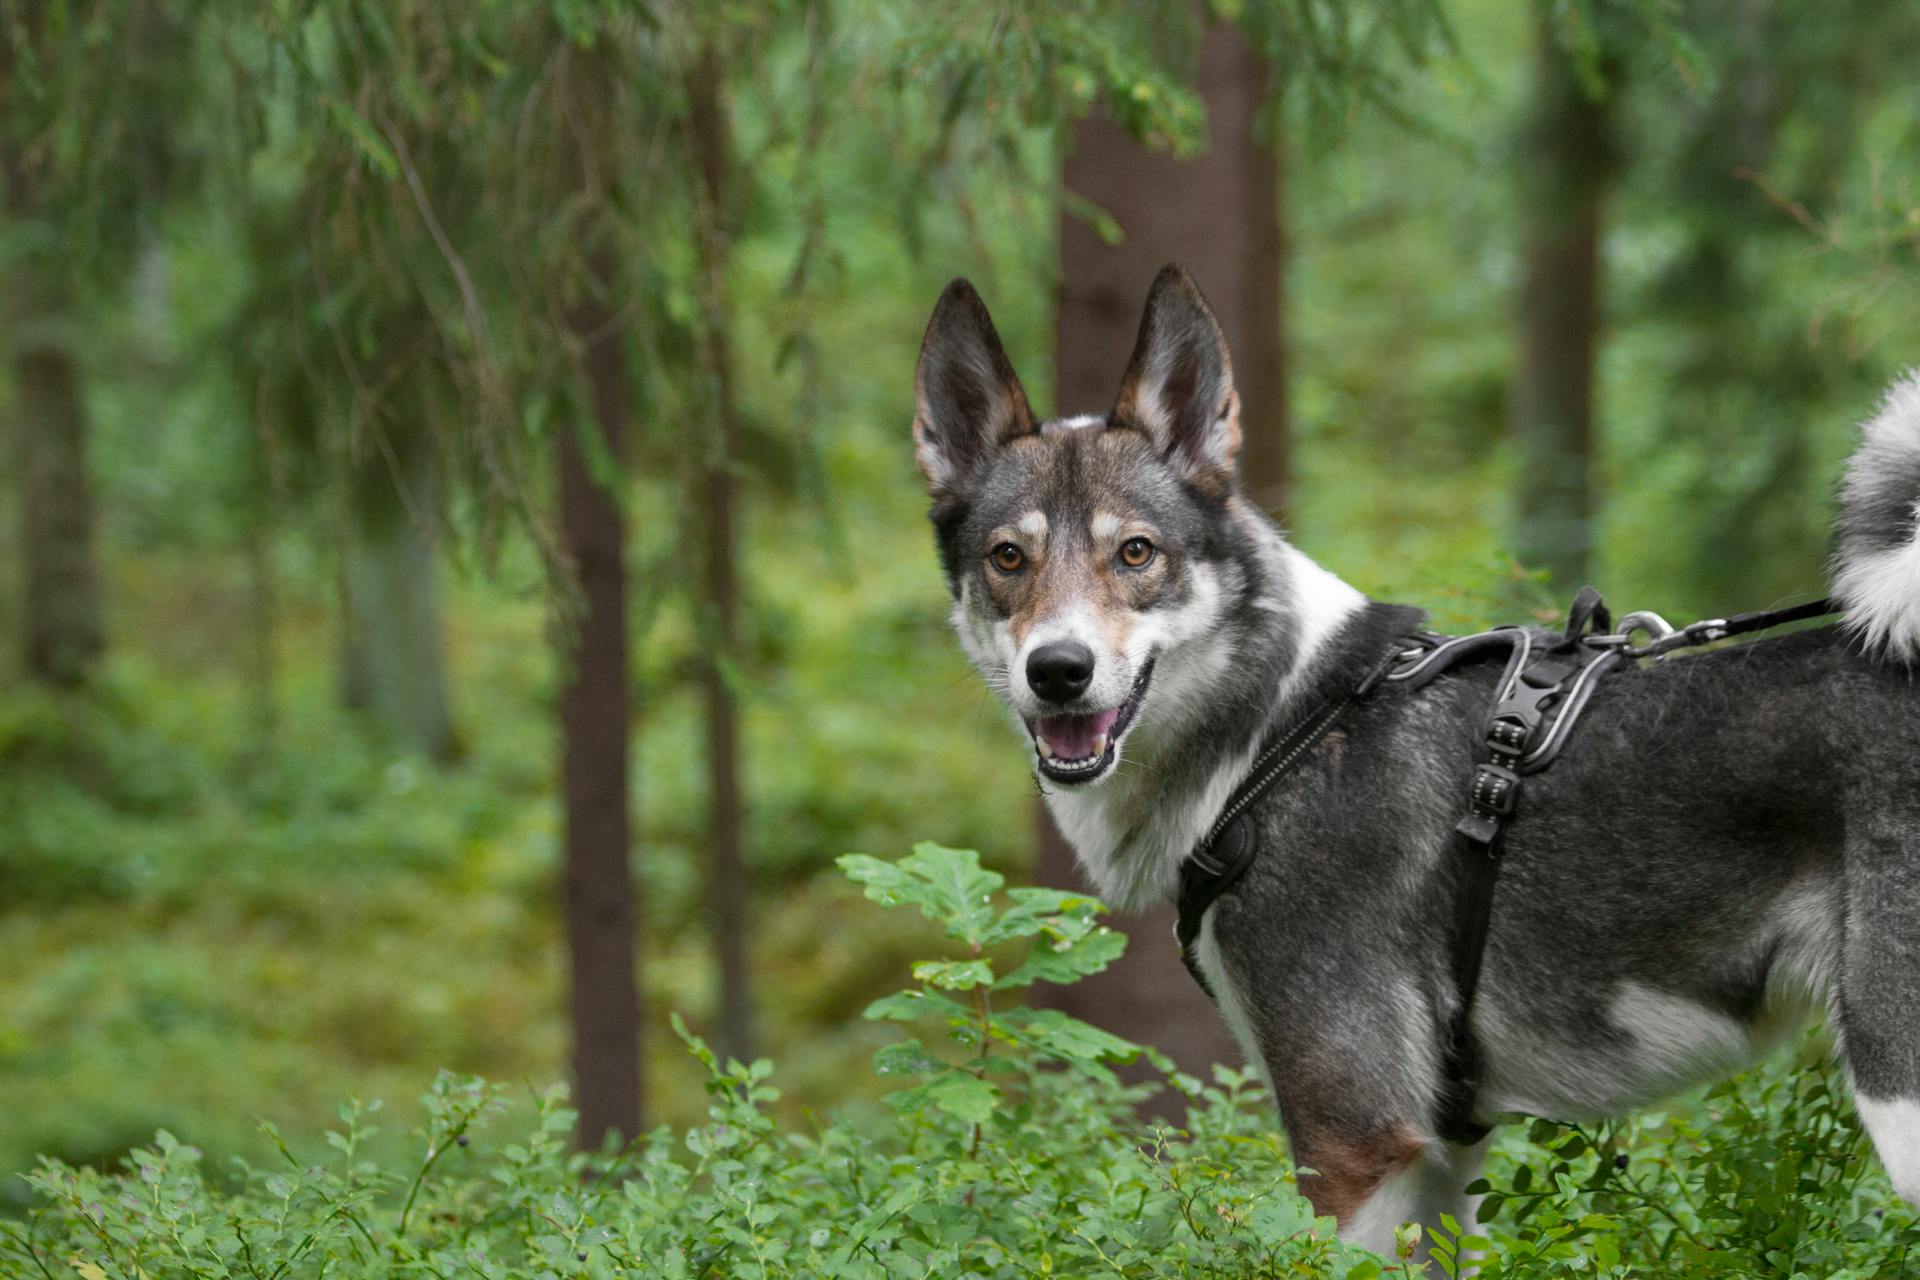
pixel 1010 1149
pixel 1769 1176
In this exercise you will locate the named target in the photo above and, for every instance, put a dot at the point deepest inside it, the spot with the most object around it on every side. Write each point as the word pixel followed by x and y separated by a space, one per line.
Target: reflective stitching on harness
pixel 1257 784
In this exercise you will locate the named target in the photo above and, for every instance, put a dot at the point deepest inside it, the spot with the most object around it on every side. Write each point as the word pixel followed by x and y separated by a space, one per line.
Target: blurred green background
pixel 321 275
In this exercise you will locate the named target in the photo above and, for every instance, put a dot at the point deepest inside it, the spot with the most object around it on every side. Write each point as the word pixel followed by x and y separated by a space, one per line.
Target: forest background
pixel 463 569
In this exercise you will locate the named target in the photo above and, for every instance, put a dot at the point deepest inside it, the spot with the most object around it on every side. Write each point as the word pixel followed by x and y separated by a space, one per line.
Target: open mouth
pixel 1076 747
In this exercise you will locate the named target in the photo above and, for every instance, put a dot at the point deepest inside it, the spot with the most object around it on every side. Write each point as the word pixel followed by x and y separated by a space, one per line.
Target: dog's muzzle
pixel 1080 746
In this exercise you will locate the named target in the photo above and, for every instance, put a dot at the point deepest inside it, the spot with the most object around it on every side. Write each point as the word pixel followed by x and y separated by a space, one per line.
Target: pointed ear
pixel 967 400
pixel 1179 385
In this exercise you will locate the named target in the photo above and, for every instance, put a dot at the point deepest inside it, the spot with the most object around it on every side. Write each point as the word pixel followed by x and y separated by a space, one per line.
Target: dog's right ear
pixel 967 400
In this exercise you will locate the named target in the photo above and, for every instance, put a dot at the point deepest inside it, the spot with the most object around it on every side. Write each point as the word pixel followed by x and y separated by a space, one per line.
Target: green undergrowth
pixel 1006 1147
pixel 205 918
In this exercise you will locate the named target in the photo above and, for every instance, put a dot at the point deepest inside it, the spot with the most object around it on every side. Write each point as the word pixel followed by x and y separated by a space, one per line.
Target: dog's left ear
pixel 967 400
pixel 1179 385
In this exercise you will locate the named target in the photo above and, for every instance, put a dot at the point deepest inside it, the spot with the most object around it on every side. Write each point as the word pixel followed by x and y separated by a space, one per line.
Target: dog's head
pixel 1084 554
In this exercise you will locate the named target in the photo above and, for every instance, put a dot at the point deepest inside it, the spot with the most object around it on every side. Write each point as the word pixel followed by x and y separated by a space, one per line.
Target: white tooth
pixel 1099 746
pixel 1046 752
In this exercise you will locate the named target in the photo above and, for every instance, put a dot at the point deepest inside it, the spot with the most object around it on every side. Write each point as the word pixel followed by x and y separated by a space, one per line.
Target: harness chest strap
pixel 1224 854
pixel 1220 859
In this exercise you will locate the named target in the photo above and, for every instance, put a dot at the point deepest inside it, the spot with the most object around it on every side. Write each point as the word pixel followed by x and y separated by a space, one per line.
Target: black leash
pixel 1715 628
pixel 1547 683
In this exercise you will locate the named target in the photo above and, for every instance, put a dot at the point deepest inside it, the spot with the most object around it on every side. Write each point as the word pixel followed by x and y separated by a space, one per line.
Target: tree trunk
pixel 1569 164
pixel 602 951
pixel 727 882
pixel 61 602
pixel 64 635
pixel 1217 213
pixel 393 666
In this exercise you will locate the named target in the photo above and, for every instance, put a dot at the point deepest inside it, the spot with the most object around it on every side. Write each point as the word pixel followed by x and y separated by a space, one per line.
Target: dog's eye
pixel 1136 553
pixel 1008 558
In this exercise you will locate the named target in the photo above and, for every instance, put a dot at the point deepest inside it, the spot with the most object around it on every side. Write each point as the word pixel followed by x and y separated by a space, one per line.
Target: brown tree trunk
pixel 727 882
pixel 61 601
pixel 602 951
pixel 1570 160
pixel 1218 214
pixel 64 635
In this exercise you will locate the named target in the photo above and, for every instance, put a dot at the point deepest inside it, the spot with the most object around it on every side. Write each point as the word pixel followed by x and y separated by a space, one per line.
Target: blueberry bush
pixel 1009 1148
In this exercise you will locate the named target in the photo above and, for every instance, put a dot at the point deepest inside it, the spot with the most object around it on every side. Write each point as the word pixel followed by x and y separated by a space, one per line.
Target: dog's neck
pixel 1274 617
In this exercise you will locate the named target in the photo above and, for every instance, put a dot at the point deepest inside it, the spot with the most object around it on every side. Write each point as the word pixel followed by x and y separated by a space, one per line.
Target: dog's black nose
pixel 1061 671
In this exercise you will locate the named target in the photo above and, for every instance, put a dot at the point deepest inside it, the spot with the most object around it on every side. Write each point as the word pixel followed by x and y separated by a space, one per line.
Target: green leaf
pixel 910 1192
pixel 1033 909
pixel 1064 958
pixel 906 1006
pixel 948 885
pixel 954 975
pixel 1059 1035
pixel 907 1058
pixel 885 883
pixel 959 891
pixel 962 1096
pixel 1280 1218
pixel 696 1046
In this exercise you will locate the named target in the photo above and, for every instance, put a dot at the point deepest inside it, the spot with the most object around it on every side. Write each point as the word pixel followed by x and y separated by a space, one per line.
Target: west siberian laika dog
pixel 1731 841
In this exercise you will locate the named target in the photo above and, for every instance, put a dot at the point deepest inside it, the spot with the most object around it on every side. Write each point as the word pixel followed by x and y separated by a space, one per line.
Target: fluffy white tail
pixel 1876 559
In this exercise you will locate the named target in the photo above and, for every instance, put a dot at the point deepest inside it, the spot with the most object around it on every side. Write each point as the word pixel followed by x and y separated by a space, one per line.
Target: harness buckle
pixel 1508 735
pixel 1495 790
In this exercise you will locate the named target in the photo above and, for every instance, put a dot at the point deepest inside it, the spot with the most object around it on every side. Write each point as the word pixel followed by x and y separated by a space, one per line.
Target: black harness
pixel 1549 678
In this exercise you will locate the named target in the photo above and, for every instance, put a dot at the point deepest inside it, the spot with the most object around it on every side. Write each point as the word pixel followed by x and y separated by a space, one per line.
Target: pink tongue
pixel 1072 737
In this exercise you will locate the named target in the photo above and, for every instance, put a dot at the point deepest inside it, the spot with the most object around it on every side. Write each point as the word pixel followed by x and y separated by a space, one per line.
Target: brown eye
pixel 1008 558
pixel 1136 553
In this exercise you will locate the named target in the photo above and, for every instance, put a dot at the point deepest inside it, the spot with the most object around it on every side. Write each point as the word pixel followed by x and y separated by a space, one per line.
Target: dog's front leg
pixel 1375 1178
pixel 1354 1071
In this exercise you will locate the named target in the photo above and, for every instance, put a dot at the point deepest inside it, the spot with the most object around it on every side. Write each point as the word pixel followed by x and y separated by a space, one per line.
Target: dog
pixel 1729 846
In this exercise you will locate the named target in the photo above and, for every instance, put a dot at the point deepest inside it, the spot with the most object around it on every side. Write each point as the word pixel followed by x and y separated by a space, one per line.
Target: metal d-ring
pixel 1656 627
